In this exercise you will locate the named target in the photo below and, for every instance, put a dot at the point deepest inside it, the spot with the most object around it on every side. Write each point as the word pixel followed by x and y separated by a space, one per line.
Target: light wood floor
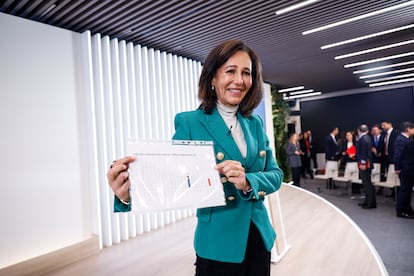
pixel 322 240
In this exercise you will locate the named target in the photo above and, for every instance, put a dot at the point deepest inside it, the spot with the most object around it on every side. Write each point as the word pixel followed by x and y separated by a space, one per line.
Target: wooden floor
pixel 323 242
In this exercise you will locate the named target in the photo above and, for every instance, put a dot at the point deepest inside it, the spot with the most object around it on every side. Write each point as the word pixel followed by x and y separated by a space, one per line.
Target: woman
pixel 235 239
pixel 348 153
pixel 348 148
pixel 294 158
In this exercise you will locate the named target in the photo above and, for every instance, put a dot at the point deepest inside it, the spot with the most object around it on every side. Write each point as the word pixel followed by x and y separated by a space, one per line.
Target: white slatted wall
pixel 132 92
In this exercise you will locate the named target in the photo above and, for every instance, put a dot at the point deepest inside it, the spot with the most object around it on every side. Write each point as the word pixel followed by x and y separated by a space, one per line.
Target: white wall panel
pixel 135 93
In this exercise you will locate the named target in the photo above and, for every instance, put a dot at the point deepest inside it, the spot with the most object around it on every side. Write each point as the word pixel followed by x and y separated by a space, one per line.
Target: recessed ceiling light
pixel 378 59
pixel 390 78
pixel 291 89
pixel 383 67
pixel 367 36
pixel 301 92
pixel 359 17
pixel 294 7
pixel 402 43
pixel 302 96
pixel 386 73
pixel 390 82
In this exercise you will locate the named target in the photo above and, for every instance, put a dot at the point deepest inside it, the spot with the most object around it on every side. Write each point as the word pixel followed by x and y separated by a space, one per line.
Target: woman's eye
pixel 246 73
pixel 230 71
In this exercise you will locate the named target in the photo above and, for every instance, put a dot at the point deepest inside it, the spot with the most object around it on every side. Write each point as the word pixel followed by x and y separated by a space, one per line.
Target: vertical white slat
pixel 165 95
pixel 147 95
pixel 139 223
pixel 139 76
pixel 186 85
pixel 172 92
pixel 101 140
pixel 176 84
pixel 118 131
pixel 132 92
pixel 87 53
pixel 108 123
pixel 125 116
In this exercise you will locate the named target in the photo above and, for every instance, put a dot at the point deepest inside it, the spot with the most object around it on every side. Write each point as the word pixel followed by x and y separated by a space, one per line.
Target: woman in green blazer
pixel 235 239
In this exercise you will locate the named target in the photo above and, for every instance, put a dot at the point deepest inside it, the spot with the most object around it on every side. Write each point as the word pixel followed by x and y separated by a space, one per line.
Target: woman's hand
pixel 235 174
pixel 118 178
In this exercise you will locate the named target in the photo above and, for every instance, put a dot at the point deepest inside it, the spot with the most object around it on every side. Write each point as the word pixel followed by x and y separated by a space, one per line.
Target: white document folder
pixel 170 175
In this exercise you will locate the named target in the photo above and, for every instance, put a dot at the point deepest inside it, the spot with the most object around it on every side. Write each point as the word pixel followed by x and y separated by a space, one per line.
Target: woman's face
pixel 349 137
pixel 233 79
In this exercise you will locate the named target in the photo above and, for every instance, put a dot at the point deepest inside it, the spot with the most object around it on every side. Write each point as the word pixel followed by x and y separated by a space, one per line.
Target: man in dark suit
pixel 377 151
pixel 364 159
pixel 331 151
pixel 389 135
pixel 404 167
pixel 313 149
pixel 331 145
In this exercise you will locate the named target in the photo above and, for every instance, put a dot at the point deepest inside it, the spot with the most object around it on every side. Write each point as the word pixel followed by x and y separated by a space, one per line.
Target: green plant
pixel 280 112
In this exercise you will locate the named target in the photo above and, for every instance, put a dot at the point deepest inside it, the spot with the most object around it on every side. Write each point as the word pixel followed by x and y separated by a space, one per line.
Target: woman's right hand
pixel 118 177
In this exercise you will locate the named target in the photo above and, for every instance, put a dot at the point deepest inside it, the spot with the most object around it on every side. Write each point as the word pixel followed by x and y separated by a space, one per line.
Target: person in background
pixel 404 167
pixel 348 153
pixel 388 150
pixel 305 147
pixel 235 239
pixel 331 151
pixel 313 149
pixel 378 148
pixel 364 159
pixel 294 158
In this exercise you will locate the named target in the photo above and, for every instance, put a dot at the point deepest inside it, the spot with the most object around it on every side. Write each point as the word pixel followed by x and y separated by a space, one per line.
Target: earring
pixel 212 87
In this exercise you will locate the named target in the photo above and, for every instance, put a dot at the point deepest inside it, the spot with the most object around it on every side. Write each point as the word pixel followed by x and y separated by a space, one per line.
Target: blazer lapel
pixel 216 126
pixel 250 135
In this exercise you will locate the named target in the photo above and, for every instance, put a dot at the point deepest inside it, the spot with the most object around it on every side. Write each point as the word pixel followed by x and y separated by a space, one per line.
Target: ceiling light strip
pixel 378 59
pixel 302 96
pixel 390 82
pixel 391 78
pixel 387 73
pixel 294 7
pixel 301 92
pixel 402 43
pixel 384 67
pixel 362 16
pixel 291 89
pixel 367 36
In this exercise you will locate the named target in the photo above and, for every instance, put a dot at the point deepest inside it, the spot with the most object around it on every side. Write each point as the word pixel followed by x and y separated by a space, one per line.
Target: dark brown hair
pixel 217 57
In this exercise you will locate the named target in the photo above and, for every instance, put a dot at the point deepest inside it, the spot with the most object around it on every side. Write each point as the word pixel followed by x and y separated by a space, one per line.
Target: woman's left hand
pixel 235 174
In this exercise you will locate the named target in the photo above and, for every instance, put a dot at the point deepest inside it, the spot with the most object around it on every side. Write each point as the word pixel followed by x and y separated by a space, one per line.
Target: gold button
pixel 223 179
pixel 231 198
pixel 262 153
pixel 220 156
pixel 261 193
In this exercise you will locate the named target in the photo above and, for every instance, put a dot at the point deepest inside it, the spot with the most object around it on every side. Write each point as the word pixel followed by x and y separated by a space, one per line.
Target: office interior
pixel 71 100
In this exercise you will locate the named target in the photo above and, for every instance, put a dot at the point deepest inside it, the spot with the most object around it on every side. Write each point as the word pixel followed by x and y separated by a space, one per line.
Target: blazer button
pixel 220 156
pixel 253 197
pixel 231 198
pixel 261 193
pixel 223 179
pixel 262 153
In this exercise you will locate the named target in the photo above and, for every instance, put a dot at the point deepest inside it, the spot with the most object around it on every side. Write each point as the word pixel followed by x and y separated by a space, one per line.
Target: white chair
pixel 392 180
pixel 331 170
pixel 351 174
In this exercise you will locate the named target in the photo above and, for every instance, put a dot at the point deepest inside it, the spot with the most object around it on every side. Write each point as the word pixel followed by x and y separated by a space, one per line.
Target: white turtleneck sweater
pixel 228 113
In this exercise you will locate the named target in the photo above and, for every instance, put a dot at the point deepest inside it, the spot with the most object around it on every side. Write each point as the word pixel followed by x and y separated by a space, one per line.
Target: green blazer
pixel 222 232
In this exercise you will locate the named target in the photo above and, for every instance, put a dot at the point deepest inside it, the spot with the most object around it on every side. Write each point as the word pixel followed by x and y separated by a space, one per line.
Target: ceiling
pixel 191 28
